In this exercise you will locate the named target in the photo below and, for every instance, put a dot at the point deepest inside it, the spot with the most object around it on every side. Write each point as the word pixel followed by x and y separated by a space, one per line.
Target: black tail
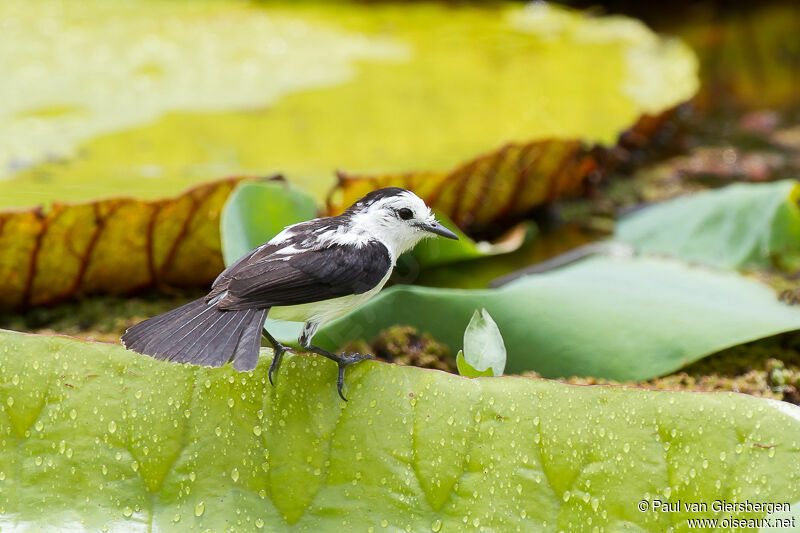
pixel 201 334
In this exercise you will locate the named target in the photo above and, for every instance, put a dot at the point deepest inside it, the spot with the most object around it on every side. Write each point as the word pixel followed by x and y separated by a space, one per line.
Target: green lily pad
pixel 149 97
pixel 256 211
pixel 610 318
pixel 741 226
pixel 97 437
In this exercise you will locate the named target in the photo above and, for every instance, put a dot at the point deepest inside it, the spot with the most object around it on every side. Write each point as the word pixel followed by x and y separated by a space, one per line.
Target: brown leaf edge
pixel 111 246
pixel 493 191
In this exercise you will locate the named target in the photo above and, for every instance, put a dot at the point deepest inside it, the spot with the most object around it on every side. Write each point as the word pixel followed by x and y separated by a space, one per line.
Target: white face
pixel 399 221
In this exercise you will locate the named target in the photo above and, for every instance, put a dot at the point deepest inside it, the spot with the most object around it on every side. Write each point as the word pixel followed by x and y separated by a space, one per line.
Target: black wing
pixel 266 278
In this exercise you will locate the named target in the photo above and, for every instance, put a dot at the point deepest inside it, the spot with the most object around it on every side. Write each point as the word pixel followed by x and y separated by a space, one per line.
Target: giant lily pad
pixel 193 91
pixel 740 226
pixel 95 437
pixel 611 318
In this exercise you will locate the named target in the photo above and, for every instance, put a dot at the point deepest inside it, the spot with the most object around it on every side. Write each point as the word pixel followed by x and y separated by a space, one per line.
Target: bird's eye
pixel 405 213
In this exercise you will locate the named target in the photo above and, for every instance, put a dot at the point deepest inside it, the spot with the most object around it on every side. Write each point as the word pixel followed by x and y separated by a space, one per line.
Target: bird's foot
pixel 344 360
pixel 278 352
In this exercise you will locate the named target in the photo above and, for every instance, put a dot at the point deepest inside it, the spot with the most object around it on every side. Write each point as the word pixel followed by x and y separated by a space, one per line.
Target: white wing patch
pixel 288 233
pixel 343 235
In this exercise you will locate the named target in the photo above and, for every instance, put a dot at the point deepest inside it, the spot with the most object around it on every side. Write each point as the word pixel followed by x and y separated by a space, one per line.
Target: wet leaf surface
pixel 95 436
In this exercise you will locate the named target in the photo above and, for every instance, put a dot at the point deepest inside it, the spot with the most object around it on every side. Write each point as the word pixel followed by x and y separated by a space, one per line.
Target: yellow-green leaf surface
pixel 148 96
pixel 93 437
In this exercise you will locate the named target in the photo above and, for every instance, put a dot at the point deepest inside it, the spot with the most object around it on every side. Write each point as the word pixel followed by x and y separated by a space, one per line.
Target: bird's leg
pixel 277 349
pixel 343 360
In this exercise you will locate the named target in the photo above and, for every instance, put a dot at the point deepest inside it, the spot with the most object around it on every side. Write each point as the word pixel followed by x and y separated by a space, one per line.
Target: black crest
pixel 375 196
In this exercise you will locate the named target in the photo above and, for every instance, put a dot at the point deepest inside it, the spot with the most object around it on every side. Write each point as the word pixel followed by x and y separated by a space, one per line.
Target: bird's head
pixel 398 217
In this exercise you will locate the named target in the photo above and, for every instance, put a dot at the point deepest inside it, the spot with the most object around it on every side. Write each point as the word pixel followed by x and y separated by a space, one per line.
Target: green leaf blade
pixel 739 226
pixel 256 211
pixel 468 371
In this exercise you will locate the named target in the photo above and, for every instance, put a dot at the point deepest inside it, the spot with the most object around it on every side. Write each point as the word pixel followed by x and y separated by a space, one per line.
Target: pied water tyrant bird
pixel 310 272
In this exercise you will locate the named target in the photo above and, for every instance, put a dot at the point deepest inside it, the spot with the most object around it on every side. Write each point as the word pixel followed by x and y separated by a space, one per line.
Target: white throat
pixel 398 238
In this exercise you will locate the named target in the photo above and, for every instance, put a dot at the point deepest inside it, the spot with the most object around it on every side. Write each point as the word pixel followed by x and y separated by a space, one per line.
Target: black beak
pixel 438 229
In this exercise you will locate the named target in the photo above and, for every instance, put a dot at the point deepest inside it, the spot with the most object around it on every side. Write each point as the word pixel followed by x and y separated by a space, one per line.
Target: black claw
pixel 275 364
pixel 278 350
pixel 340 381
pixel 346 360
